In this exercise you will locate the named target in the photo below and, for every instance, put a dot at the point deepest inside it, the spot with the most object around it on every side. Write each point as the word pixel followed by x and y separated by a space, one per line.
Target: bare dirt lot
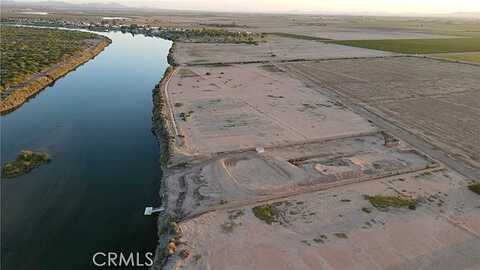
pixel 248 177
pixel 226 108
pixel 272 166
pixel 436 99
pixel 274 49
pixel 272 135
pixel 339 229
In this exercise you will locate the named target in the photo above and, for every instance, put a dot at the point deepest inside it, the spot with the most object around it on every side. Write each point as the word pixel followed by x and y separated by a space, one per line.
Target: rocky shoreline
pixel 164 132
pixel 39 81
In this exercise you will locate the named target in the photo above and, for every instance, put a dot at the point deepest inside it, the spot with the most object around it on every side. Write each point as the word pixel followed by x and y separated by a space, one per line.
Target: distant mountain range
pixel 63 5
pixel 60 5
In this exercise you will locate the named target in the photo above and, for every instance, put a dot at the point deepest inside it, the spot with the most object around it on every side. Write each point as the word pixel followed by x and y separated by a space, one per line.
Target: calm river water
pixel 96 125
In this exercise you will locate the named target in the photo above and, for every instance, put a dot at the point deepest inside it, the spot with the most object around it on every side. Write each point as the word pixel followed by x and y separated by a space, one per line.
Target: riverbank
pixel 38 82
pixel 164 130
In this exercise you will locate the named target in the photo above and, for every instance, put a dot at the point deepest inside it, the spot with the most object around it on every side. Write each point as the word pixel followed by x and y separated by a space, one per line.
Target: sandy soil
pixel 436 99
pixel 255 125
pixel 229 112
pixel 274 49
pixel 329 230
pixel 247 177
pixel 317 182
pixel 272 133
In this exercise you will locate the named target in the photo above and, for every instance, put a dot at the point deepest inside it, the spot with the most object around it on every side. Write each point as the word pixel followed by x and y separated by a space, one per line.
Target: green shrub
pixel 475 188
pixel 266 212
pixel 382 202
pixel 26 161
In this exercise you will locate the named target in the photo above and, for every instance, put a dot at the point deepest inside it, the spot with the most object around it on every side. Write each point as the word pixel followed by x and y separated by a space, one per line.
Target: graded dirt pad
pixel 339 229
pixel 435 99
pixel 230 108
pixel 248 177
pixel 274 49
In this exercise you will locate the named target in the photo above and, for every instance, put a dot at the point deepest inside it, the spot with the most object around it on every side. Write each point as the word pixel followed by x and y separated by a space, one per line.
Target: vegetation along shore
pixel 46 55
pixel 26 161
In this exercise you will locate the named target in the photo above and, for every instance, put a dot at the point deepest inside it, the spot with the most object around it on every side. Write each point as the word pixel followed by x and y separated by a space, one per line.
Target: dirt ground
pixel 273 49
pixel 273 125
pixel 247 177
pixel 435 99
pixel 272 134
pixel 226 108
pixel 339 229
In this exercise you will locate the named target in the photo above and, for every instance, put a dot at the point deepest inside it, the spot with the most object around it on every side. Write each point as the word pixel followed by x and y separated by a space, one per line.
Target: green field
pixel 26 50
pixel 467 57
pixel 418 46
pixel 439 26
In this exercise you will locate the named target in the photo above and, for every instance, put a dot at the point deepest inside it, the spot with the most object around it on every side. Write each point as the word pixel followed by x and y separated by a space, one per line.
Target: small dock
pixel 151 210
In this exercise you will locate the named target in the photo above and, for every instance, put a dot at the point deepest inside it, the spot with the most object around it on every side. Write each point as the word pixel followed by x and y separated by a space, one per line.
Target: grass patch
pixel 418 46
pixel 222 201
pixel 475 188
pixel 197 257
pixel 341 235
pixel 467 57
pixel 26 161
pixel 383 202
pixel 366 210
pixel 266 212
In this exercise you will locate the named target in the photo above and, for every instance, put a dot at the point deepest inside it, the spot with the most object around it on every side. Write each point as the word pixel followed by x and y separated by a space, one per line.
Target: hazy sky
pixel 391 6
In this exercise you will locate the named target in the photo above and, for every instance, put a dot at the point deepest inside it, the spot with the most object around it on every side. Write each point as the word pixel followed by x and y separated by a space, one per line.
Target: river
pixel 96 125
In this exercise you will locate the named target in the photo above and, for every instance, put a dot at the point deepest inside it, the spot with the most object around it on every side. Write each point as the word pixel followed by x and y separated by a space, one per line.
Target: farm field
pixel 435 99
pixel 418 46
pixel 339 229
pixel 473 57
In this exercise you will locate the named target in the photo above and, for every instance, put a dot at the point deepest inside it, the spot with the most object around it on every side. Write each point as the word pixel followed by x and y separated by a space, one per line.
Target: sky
pixel 335 6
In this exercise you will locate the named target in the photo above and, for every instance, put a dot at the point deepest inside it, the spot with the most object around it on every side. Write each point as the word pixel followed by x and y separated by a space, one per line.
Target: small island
pixel 26 161
pixel 33 58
